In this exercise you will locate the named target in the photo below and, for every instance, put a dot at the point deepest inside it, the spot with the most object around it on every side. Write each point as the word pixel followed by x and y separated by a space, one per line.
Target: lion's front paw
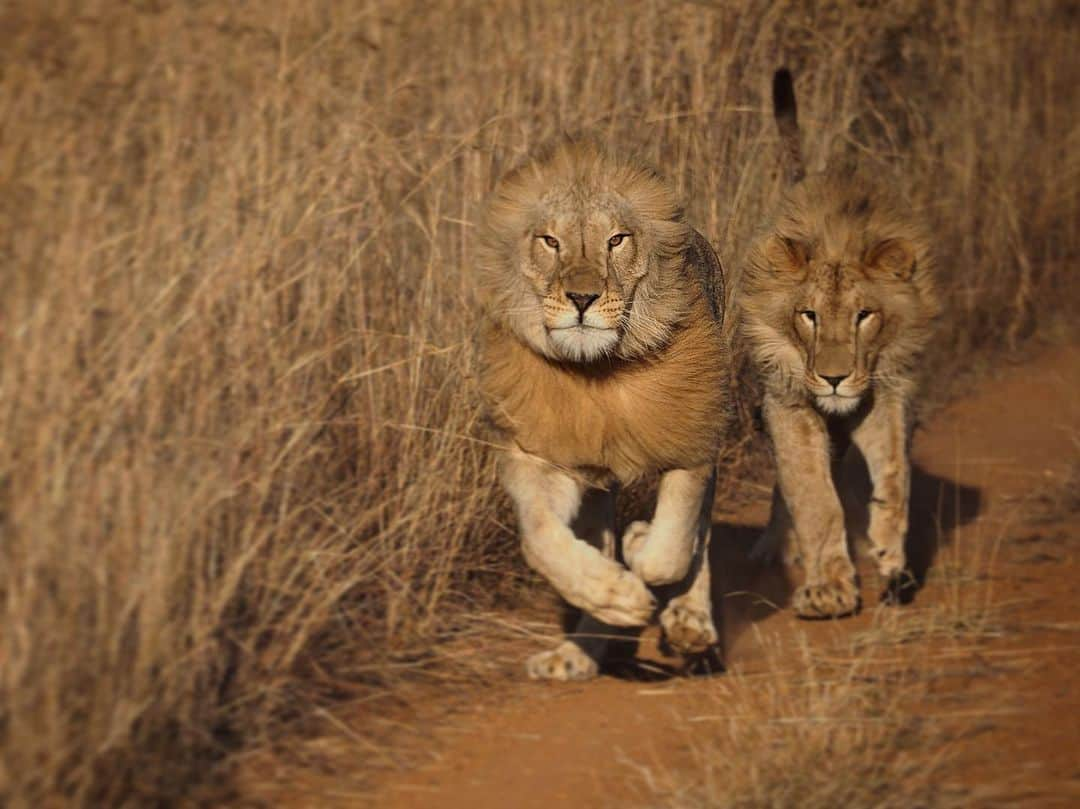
pixel 655 562
pixel 835 597
pixel 620 598
pixel 566 663
pixel 688 628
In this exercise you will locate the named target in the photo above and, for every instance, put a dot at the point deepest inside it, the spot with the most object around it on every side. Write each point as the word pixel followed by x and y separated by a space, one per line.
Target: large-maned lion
pixel 602 360
pixel 837 303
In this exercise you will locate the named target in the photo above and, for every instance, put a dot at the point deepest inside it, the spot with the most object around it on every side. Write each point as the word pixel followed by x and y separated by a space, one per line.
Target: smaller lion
pixel 603 360
pixel 837 304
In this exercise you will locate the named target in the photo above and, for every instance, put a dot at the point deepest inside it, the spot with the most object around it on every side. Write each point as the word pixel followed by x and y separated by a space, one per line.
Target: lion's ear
pixel 787 254
pixel 893 256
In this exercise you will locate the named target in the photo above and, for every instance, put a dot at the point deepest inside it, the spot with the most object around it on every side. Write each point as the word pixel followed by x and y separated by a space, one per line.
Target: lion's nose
pixel 835 380
pixel 582 300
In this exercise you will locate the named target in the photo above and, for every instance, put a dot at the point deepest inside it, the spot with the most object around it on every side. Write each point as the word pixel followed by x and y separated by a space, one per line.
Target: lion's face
pixel 579 258
pixel 583 268
pixel 837 321
pixel 835 316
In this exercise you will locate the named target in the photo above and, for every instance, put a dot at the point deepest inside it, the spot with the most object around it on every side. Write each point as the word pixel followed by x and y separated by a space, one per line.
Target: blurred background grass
pixel 239 478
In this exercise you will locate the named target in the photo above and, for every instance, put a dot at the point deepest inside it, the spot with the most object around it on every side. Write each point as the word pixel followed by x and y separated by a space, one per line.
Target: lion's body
pixel 603 360
pixel 837 304
pixel 623 417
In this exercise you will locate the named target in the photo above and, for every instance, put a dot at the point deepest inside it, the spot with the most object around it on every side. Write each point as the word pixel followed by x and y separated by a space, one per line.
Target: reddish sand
pixel 981 465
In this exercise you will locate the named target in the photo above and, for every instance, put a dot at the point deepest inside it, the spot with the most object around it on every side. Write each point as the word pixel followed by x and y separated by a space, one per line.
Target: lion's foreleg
pixel 547 500
pixel 687 620
pixel 882 437
pixel 580 656
pixel 674 549
pixel 661 551
pixel 801 446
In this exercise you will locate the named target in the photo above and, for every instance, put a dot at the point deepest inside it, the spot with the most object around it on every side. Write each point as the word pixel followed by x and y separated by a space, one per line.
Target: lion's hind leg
pixel 581 655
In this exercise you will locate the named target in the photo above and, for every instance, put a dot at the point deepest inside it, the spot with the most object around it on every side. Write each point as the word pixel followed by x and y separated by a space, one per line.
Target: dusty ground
pixel 994 521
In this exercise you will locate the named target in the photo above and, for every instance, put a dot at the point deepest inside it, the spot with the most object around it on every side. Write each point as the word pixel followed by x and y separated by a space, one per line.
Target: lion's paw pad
pixel 688 629
pixel 564 664
pixel 831 599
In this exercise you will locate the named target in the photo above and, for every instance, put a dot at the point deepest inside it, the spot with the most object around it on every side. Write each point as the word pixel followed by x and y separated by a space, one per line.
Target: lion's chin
pixel 837 405
pixel 584 343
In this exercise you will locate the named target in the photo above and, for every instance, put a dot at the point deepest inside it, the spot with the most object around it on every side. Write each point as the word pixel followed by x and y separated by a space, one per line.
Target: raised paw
pixel 564 664
pixel 655 562
pixel 688 628
pixel 831 599
pixel 621 599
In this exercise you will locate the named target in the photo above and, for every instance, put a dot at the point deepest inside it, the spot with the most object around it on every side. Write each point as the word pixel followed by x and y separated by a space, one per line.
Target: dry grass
pixel 966 608
pixel 238 481
pixel 863 722
pixel 961 616
pixel 826 735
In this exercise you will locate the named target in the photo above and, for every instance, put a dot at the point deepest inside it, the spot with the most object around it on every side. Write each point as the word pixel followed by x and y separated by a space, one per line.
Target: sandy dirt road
pixel 987 467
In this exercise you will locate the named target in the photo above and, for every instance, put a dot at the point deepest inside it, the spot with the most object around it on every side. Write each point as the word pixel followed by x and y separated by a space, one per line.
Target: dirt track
pixel 982 466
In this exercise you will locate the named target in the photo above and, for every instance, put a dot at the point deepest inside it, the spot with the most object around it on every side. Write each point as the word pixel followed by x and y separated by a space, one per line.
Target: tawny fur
pixel 657 400
pixel 603 359
pixel 628 417
pixel 837 218
pixel 837 303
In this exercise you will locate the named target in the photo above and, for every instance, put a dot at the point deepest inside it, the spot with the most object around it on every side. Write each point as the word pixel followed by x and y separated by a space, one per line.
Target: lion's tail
pixel 787 121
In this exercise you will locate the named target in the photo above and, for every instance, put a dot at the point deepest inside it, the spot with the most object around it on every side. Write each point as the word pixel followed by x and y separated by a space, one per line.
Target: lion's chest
pixel 656 414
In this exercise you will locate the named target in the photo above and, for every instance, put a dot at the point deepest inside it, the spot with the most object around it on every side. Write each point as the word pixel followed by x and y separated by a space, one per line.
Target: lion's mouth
pixel 583 342
pixel 837 403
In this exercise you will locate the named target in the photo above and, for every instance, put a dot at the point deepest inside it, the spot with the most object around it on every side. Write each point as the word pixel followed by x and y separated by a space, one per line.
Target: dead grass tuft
pixel 969 618
pixel 822 735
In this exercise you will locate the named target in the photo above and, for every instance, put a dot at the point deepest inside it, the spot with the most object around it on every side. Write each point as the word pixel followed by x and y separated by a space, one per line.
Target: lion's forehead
pixel 578 208
pixel 840 288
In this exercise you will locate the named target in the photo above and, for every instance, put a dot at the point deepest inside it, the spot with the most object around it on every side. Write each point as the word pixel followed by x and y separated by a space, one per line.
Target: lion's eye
pixel 551 242
pixel 809 315
pixel 616 240
pixel 863 314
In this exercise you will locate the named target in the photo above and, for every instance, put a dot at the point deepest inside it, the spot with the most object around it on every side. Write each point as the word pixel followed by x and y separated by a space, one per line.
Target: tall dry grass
pixel 238 478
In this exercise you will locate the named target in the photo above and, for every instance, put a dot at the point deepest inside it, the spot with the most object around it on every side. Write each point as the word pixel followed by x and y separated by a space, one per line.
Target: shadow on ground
pixel 746 592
